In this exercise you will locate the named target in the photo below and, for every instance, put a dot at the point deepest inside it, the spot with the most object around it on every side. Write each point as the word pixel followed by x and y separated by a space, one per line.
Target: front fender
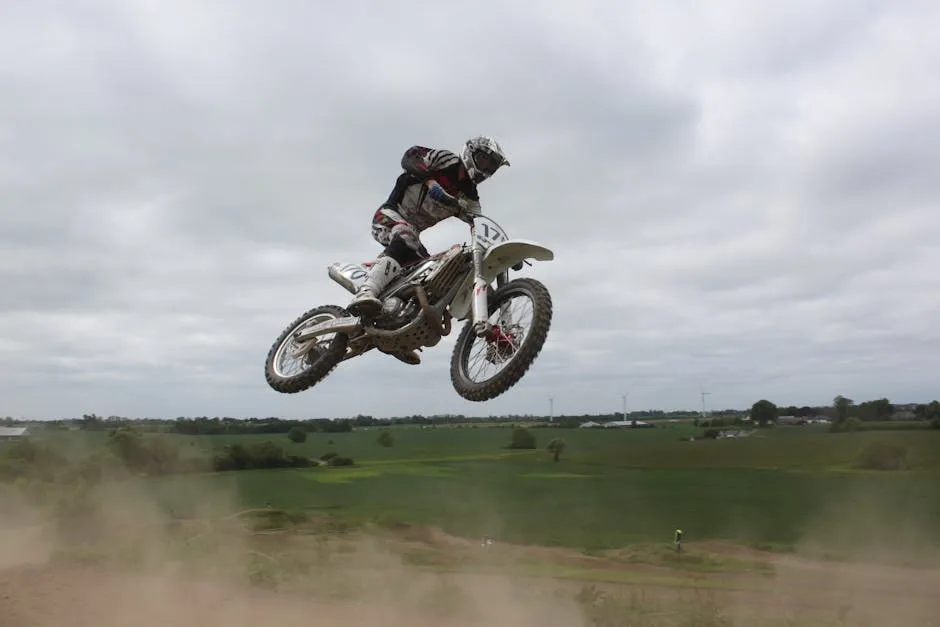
pixel 507 254
pixel 496 260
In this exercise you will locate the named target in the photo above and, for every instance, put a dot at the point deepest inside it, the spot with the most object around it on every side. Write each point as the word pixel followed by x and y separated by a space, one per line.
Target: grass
pixel 775 449
pixel 810 447
pixel 611 488
pixel 524 500
pixel 616 497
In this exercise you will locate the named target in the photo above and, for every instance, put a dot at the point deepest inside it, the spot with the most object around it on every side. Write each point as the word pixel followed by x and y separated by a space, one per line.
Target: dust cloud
pixel 867 558
pixel 112 553
pixel 127 561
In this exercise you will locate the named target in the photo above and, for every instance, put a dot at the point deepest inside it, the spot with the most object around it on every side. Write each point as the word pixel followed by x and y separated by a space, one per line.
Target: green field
pixel 780 488
pixel 614 498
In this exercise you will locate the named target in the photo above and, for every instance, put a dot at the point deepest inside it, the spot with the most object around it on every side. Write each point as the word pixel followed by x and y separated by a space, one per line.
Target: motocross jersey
pixel 411 198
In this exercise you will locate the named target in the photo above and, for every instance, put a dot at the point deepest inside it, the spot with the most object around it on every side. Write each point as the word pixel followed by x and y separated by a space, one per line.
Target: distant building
pixel 13 433
pixel 733 433
pixel 617 424
pixel 791 420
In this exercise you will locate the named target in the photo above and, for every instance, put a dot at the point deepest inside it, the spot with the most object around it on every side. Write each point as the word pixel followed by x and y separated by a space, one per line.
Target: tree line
pixel 840 410
pixel 844 409
pixel 128 450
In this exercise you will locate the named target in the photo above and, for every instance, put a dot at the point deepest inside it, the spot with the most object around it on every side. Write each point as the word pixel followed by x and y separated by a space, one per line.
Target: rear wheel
pixel 511 347
pixel 288 373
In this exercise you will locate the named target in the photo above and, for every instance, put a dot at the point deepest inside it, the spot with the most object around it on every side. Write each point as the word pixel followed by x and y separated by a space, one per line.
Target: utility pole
pixel 704 394
pixel 551 409
pixel 624 399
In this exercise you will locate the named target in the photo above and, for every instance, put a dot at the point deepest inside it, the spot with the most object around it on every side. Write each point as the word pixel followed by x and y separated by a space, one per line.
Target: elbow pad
pixel 437 193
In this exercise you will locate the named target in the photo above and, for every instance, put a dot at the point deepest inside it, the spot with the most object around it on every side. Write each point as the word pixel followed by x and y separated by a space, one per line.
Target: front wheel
pixel 511 347
pixel 289 373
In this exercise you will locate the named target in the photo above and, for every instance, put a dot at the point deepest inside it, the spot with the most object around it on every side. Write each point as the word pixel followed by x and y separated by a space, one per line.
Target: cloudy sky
pixel 742 197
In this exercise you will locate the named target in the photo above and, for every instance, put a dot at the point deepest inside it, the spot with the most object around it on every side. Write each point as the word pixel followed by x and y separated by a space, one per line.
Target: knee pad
pixel 406 233
pixel 401 252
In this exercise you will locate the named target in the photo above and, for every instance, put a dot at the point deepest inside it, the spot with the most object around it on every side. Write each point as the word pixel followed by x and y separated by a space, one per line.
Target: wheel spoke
pixel 292 366
pixel 521 316
pixel 285 364
pixel 488 357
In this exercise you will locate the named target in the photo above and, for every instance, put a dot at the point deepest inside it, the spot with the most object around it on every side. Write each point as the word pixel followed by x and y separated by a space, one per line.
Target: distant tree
pixel 884 409
pixel 842 406
pixel 522 438
pixel 90 422
pixel 297 435
pixel 880 409
pixel 763 412
pixel 149 453
pixel 385 438
pixel 233 457
pixel 128 445
pixel 556 447
pixel 34 458
pixel 267 454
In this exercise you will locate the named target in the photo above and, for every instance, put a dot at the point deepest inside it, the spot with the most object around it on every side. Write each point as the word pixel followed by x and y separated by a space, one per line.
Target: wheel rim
pixel 511 323
pixel 283 357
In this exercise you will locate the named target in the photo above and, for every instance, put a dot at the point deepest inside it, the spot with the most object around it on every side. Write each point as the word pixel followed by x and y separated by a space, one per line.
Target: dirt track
pixel 369 580
pixel 89 597
pixel 37 594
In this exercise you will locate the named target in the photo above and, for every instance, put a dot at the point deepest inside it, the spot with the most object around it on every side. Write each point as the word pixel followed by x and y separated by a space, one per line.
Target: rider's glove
pixel 438 193
pixel 467 209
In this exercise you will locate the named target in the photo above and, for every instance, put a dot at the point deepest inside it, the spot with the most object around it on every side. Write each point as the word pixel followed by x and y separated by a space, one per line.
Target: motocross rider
pixel 436 184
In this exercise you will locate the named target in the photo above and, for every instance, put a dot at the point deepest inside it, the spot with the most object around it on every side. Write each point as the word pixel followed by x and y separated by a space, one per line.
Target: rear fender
pixel 350 275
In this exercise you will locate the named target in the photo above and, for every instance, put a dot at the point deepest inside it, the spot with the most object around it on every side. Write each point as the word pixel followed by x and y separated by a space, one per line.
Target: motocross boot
pixel 366 303
pixel 409 357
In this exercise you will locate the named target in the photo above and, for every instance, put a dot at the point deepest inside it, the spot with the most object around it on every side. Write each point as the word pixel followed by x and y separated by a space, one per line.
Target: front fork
pixel 481 311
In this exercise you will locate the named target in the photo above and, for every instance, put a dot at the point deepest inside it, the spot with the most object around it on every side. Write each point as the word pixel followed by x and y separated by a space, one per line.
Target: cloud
pixel 741 198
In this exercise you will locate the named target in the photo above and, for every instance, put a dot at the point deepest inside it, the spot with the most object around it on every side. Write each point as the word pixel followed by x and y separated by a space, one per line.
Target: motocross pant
pixel 400 239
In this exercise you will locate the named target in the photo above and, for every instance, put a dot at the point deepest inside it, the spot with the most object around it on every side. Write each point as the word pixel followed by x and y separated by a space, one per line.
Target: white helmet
pixel 482 156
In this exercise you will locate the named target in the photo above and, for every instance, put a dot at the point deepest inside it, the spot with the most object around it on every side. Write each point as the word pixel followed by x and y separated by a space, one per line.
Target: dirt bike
pixel 418 308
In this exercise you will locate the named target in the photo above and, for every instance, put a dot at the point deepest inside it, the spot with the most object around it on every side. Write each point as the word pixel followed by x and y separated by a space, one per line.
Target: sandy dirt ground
pixel 130 564
pixel 38 591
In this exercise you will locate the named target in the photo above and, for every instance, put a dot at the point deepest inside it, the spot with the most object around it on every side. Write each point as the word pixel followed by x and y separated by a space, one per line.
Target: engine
pixel 436 276
pixel 454 264
pixel 396 313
